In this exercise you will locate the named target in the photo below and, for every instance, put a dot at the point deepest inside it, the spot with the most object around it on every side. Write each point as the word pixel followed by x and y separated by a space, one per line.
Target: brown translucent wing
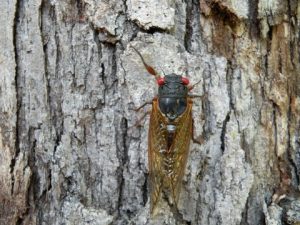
pixel 157 144
pixel 167 166
pixel 179 150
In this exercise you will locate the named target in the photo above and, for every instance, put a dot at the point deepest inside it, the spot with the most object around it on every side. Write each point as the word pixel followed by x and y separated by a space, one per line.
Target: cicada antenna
pixel 149 68
pixel 162 70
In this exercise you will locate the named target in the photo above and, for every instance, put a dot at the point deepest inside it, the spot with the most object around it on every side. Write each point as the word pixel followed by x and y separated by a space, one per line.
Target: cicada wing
pixel 167 165
pixel 180 150
pixel 157 145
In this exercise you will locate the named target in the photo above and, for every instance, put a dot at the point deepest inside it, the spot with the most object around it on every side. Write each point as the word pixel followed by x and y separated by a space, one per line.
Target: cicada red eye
pixel 185 81
pixel 160 81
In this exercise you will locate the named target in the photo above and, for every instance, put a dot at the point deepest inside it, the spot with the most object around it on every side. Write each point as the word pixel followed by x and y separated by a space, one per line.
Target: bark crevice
pixel 254 24
pixel 17 91
pixel 192 30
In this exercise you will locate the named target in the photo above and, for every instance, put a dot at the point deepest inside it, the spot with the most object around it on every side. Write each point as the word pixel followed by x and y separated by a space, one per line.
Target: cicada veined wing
pixel 168 156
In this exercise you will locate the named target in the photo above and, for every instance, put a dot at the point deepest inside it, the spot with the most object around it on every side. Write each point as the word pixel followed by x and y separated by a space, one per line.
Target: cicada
pixel 170 132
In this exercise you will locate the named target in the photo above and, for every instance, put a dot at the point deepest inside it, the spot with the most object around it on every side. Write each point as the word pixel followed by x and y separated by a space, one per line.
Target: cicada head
pixel 172 95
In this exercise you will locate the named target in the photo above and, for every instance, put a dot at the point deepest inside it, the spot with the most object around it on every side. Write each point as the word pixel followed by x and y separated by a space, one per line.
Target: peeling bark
pixel 70 150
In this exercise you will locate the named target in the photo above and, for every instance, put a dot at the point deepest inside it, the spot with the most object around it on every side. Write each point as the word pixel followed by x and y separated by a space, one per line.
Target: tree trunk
pixel 70 148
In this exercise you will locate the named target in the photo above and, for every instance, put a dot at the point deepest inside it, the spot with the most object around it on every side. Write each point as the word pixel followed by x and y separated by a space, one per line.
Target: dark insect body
pixel 170 132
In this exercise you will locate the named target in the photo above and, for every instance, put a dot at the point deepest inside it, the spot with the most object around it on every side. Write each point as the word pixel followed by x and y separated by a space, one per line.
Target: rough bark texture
pixel 70 152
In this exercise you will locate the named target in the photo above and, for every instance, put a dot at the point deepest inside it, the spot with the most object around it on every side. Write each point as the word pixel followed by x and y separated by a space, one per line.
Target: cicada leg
pixel 203 97
pixel 191 87
pixel 138 123
pixel 142 106
pixel 199 140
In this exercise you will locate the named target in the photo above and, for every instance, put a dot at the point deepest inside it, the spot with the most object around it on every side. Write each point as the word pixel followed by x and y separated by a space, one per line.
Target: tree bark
pixel 70 150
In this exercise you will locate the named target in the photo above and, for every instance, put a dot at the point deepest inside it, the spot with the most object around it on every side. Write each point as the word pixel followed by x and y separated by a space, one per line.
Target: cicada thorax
pixel 172 97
